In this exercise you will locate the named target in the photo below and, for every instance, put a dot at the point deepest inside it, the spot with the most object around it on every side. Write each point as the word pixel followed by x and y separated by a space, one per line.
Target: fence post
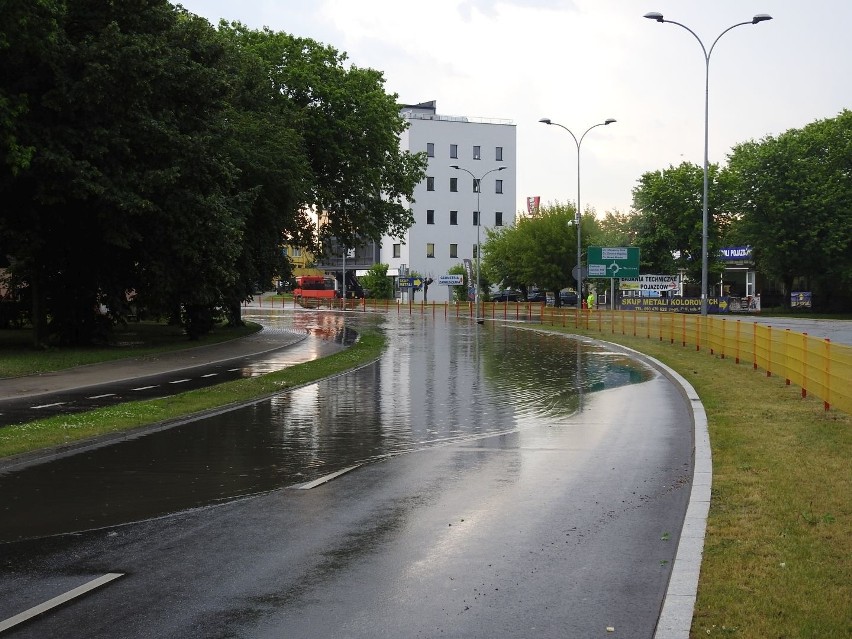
pixel 787 357
pixel 827 374
pixel 754 345
pixel 737 349
pixel 698 332
pixel 804 365
pixel 768 350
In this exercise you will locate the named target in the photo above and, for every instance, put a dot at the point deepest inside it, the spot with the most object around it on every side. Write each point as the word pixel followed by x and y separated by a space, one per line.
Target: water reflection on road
pixel 438 381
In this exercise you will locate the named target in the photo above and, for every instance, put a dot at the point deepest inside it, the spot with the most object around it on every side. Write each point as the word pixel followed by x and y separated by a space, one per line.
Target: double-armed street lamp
pixel 658 17
pixel 578 212
pixel 478 183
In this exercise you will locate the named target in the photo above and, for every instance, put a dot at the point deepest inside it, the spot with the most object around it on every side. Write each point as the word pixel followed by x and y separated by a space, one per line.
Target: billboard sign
pixel 650 283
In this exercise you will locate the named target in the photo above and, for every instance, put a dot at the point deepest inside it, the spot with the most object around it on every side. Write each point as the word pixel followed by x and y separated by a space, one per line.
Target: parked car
pixel 536 295
pixel 568 298
pixel 507 295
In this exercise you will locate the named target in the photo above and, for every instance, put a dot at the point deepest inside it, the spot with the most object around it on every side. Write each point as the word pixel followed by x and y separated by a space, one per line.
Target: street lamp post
pixel 478 181
pixel 761 17
pixel 577 213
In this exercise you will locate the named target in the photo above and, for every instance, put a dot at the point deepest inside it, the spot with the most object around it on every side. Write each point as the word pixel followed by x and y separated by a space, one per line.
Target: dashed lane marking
pixel 210 375
pixel 48 405
pixel 180 381
pixel 58 601
pixel 141 388
pixel 326 478
pixel 101 396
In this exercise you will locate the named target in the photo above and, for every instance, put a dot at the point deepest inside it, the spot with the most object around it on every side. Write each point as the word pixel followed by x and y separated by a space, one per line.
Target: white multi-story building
pixel 444 233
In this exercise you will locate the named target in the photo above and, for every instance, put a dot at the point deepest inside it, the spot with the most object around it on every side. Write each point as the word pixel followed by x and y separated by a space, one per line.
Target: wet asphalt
pixel 478 498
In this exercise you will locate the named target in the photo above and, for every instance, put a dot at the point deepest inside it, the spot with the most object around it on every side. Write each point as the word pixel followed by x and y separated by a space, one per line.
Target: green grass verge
pixel 18 358
pixel 68 429
pixel 778 552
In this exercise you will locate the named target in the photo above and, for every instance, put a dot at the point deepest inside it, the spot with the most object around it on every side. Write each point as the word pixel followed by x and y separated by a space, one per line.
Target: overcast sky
pixel 579 62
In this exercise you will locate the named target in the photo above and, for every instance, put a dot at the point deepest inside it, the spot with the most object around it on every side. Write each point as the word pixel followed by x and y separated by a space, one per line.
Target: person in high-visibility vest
pixel 590 301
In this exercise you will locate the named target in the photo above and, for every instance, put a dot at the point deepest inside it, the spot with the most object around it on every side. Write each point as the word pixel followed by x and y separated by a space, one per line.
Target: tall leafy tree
pixel 668 229
pixel 359 179
pixel 794 194
pixel 540 250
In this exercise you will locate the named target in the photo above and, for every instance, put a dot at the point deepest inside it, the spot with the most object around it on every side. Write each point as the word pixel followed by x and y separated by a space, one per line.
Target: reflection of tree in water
pixel 539 372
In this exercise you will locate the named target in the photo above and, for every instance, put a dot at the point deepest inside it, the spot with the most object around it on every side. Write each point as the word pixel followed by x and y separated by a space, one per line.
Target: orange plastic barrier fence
pixel 818 366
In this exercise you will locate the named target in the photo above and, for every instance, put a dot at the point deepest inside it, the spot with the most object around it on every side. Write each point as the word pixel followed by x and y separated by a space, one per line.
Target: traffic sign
pixel 451 280
pixel 410 282
pixel 622 261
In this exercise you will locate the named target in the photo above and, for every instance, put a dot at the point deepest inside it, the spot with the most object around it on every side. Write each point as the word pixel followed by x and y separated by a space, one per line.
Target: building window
pixel 454 250
pixel 397 249
pixel 476 218
pixel 430 249
pixel 454 150
pixel 454 218
pixel 498 154
pixel 430 184
pixel 475 185
pixel 454 185
pixel 498 218
pixel 297 252
pixel 498 186
pixel 430 216
pixel 476 153
pixel 430 149
pixel 475 253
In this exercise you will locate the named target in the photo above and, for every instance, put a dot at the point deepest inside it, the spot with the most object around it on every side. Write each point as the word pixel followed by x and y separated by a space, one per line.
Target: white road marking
pixel 180 381
pixel 58 601
pixel 210 375
pixel 48 405
pixel 232 370
pixel 144 387
pixel 101 396
pixel 325 479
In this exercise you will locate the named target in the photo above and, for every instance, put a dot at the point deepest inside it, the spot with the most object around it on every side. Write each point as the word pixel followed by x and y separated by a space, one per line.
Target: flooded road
pixel 438 382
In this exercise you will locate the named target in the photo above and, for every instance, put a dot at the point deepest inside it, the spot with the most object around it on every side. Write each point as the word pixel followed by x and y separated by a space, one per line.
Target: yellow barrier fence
pixel 818 366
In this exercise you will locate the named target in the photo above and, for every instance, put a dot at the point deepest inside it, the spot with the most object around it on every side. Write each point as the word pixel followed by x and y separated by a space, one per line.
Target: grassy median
pixel 137 339
pixel 778 553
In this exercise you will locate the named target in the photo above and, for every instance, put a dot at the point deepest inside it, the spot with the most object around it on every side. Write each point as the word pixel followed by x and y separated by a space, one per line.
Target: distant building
pixel 445 220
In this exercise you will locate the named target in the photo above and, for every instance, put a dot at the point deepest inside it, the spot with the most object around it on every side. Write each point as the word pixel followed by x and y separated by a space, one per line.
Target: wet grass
pixel 68 429
pixel 17 356
pixel 778 552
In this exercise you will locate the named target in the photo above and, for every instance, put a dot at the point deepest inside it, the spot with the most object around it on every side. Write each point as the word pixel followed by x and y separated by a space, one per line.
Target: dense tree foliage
pixel 668 226
pixel 144 150
pixel 794 196
pixel 539 250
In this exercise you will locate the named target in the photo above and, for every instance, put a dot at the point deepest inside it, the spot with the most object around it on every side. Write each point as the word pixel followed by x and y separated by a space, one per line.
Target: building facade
pixel 444 233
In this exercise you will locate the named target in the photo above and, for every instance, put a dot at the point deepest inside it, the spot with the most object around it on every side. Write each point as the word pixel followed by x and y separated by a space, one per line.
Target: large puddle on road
pixel 439 381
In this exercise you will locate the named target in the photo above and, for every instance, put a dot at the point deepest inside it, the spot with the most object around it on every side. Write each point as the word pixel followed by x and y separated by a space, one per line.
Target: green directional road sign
pixel 620 261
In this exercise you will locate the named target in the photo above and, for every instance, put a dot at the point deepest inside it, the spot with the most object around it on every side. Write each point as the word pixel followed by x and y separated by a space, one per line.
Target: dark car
pixel 568 298
pixel 536 295
pixel 506 296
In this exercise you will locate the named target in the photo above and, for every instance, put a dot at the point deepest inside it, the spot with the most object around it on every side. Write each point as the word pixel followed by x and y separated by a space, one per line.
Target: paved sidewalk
pixel 94 374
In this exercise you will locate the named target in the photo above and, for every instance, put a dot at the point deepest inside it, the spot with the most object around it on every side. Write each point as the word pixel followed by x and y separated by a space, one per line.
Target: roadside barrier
pixel 818 366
